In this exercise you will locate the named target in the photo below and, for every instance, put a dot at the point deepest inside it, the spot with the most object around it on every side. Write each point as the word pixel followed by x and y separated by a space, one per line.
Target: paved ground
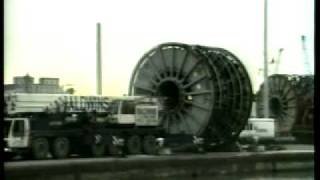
pixel 299 147
pixel 176 166
pixel 287 149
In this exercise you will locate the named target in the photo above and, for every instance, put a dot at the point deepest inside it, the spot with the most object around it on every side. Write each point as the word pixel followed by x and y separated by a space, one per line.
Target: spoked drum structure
pixel 203 91
pixel 290 103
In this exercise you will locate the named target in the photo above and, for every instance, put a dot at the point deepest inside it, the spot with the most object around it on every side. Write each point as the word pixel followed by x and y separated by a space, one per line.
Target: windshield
pixel 7 125
pixel 128 107
pixel 18 128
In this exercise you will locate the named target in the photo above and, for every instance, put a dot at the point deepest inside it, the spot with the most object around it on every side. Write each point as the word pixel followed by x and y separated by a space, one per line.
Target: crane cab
pixel 139 112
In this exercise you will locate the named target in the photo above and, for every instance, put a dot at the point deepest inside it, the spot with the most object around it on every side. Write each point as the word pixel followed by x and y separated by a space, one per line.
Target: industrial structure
pixel 99 61
pixel 25 84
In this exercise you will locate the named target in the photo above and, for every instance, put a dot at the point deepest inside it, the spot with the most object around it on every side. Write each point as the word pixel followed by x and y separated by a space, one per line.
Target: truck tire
pixel 60 148
pixel 114 150
pixel 149 145
pixel 98 150
pixel 134 145
pixel 40 148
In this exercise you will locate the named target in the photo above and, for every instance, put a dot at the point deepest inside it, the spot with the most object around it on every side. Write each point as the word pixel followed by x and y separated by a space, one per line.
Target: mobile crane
pixel 89 125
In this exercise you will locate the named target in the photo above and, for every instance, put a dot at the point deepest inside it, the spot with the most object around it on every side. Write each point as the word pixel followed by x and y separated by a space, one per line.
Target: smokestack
pixel 265 47
pixel 98 70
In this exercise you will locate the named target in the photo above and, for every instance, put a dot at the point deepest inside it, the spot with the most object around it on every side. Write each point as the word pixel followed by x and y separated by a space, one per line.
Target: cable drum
pixel 173 72
pixel 304 121
pixel 233 109
pixel 290 103
pixel 204 91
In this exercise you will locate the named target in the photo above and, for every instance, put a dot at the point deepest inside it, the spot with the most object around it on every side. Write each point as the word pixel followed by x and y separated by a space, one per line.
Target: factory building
pixel 25 84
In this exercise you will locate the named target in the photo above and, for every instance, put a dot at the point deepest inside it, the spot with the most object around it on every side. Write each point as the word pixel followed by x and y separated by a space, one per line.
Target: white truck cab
pixel 16 134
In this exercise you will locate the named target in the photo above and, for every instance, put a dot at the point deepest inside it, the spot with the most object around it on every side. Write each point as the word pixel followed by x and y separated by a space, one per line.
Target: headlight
pixel 7 150
pixel 160 141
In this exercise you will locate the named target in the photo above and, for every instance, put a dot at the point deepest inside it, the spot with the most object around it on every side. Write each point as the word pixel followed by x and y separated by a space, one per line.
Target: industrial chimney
pixel 98 70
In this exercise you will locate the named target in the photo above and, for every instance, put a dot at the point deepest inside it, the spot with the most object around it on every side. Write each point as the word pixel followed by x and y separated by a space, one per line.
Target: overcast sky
pixel 56 38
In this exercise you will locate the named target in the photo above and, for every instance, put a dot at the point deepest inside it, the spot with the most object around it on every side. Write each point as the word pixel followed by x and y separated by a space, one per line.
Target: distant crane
pixel 277 61
pixel 305 53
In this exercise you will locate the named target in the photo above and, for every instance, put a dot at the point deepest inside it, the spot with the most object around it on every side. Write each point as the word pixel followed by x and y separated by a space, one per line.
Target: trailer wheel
pixel 98 150
pixel 40 148
pixel 114 150
pixel 61 147
pixel 134 145
pixel 149 144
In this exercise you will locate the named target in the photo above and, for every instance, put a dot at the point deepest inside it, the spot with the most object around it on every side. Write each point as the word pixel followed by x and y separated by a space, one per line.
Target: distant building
pixel 25 84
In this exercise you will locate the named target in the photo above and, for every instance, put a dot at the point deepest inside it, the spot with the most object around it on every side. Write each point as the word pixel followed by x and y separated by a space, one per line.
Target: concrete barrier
pixel 160 167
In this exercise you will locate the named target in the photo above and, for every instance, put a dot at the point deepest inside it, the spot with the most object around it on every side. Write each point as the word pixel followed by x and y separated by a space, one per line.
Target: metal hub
pixel 171 93
pixel 275 106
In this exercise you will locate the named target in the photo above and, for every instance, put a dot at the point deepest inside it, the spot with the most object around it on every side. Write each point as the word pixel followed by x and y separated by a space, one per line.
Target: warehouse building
pixel 25 84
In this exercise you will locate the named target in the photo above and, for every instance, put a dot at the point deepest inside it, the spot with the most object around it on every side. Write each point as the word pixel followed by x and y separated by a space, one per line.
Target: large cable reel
pixel 204 91
pixel 290 103
pixel 232 110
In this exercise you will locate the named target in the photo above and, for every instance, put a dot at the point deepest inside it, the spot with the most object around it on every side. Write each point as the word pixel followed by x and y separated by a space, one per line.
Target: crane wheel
pixel 149 145
pixel 60 148
pixel 98 150
pixel 133 145
pixel 40 148
pixel 114 150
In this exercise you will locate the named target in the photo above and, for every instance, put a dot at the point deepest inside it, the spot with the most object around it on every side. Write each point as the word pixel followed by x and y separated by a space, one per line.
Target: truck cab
pixel 16 135
pixel 143 112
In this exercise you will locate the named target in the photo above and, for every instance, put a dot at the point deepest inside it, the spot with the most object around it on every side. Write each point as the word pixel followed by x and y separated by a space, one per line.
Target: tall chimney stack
pixel 99 67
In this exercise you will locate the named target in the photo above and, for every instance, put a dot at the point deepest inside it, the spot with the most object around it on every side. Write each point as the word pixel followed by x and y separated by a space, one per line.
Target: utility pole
pixel 266 84
pixel 305 53
pixel 99 67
